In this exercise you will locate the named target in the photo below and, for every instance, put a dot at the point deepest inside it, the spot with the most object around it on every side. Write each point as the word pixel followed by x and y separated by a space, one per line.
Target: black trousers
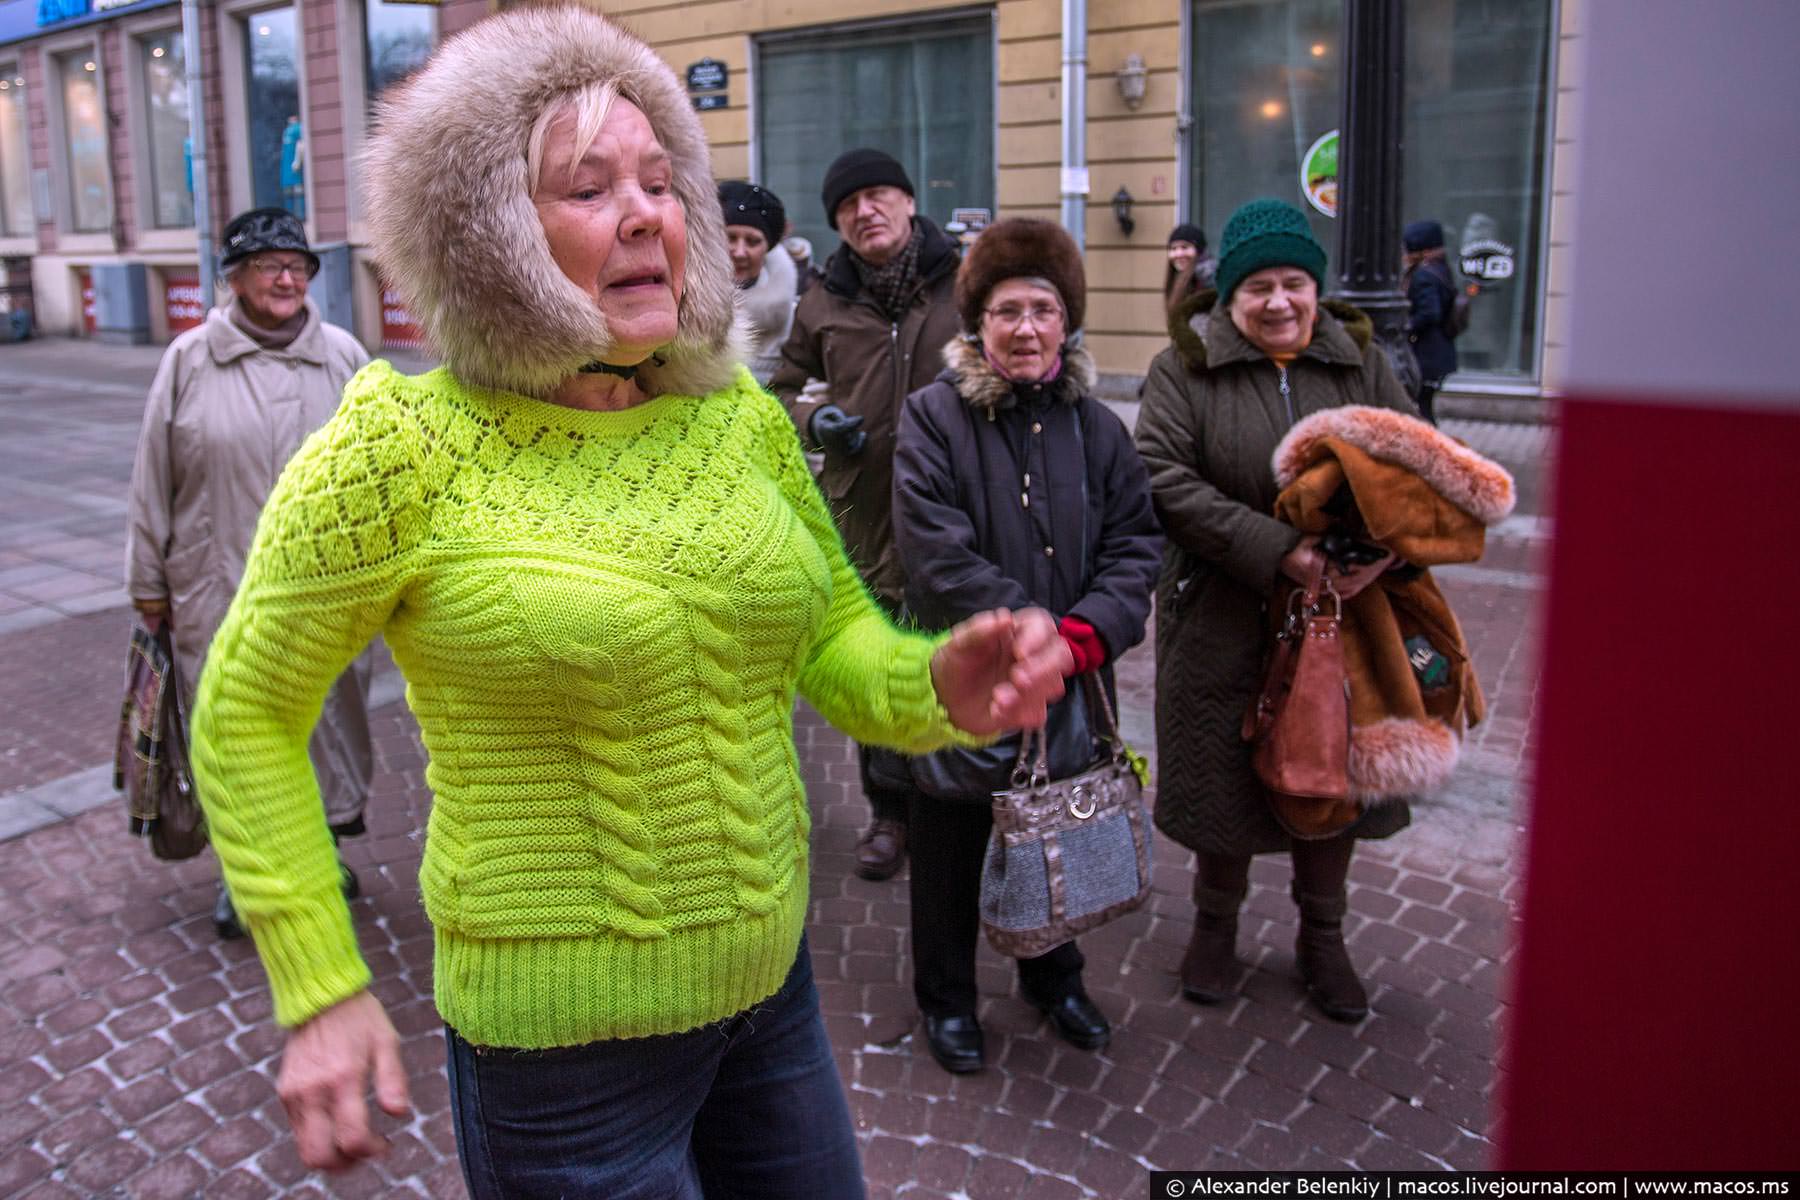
pixel 947 840
pixel 1427 399
pixel 886 781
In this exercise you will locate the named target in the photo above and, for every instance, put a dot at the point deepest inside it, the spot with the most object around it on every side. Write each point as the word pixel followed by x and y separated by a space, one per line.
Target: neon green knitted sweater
pixel 603 619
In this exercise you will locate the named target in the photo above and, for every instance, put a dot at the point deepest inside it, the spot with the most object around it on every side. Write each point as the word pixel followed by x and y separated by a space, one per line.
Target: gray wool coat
pixel 1212 414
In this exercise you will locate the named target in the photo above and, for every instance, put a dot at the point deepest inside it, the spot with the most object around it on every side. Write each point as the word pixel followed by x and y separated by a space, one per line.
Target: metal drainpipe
pixel 196 91
pixel 1074 120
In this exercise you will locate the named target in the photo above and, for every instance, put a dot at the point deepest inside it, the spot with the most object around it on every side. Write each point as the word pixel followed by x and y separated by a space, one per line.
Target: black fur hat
pixel 1021 246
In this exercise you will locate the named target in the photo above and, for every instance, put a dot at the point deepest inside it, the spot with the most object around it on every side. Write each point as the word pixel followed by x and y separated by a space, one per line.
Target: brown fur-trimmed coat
pixel 1396 481
pixel 1211 418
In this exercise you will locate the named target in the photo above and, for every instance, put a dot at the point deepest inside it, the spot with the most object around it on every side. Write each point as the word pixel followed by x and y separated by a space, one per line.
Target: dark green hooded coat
pixel 1212 413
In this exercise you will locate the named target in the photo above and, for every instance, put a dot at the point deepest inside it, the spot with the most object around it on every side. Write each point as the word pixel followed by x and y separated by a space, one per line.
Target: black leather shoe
pixel 882 850
pixel 1078 1022
pixel 956 1043
pixel 225 917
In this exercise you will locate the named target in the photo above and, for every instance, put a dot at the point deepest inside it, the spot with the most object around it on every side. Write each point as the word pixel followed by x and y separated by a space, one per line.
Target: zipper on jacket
pixel 900 388
pixel 1287 396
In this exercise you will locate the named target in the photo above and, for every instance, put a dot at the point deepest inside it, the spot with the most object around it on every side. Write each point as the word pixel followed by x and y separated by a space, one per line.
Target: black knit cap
pixel 1192 234
pixel 263 229
pixel 857 169
pixel 1422 235
pixel 755 206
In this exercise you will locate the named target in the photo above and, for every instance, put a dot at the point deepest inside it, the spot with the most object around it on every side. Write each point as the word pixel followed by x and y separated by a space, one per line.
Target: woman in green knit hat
pixel 593 544
pixel 1249 359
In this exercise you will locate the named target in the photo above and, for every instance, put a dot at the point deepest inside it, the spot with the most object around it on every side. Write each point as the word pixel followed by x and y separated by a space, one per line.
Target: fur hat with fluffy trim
pixel 1021 246
pixel 456 232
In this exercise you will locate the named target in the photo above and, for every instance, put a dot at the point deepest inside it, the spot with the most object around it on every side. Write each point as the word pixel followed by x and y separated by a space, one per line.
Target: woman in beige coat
pixel 231 403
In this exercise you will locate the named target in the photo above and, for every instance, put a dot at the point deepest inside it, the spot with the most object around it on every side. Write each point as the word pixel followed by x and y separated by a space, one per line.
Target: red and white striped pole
pixel 1654 1022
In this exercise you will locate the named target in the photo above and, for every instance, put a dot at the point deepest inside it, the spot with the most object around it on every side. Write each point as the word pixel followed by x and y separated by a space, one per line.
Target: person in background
pixel 754 223
pixel 1013 486
pixel 1215 405
pixel 592 541
pixel 1431 295
pixel 868 335
pixel 1187 252
pixel 805 273
pixel 231 402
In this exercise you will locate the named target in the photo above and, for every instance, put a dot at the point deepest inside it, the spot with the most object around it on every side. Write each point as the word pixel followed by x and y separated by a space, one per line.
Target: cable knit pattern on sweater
pixel 603 619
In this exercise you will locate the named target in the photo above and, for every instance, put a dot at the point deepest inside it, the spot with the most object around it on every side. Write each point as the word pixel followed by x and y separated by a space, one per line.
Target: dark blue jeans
pixel 748 1107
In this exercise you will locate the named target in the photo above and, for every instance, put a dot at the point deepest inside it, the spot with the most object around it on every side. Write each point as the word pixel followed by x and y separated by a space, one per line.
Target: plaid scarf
pixel 892 283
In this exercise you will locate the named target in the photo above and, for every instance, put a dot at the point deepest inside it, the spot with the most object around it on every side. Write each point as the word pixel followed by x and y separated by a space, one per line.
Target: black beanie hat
pixel 1422 235
pixel 755 206
pixel 264 229
pixel 857 169
pixel 1192 234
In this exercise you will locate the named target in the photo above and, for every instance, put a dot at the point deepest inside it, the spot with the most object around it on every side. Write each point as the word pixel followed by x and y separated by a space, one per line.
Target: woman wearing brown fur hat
pixel 594 546
pixel 1012 486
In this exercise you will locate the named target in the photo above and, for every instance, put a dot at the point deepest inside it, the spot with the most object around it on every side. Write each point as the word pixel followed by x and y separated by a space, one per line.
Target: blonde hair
pixel 590 106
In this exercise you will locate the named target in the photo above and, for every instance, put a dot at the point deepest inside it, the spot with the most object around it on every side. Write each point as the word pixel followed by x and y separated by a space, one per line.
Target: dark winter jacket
pixel 869 363
pixel 1007 495
pixel 1432 295
pixel 1213 412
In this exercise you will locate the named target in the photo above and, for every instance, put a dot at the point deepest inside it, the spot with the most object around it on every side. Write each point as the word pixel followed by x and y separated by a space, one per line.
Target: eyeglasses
pixel 1011 316
pixel 271 269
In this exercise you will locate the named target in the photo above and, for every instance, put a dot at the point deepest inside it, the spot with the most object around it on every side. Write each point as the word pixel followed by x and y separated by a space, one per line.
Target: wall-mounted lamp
pixel 1121 206
pixel 1131 78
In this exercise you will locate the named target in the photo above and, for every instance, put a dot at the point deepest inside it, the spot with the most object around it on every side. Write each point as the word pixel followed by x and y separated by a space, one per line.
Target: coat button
pixel 1049 551
pixel 1037 427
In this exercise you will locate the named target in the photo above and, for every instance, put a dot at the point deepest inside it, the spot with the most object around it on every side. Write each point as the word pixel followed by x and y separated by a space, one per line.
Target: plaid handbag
pixel 1066 855
pixel 150 763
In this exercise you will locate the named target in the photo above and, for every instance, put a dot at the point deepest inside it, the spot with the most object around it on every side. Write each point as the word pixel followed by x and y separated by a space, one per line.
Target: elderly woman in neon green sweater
pixel 594 546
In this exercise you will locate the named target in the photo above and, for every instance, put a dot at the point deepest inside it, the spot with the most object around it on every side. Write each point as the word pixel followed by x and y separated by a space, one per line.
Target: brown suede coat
pixel 1212 415
pixel 1397 481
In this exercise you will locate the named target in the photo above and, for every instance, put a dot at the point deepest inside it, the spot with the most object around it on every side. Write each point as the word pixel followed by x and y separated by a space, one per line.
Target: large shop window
pixel 84 141
pixel 277 146
pixel 1266 91
pixel 398 40
pixel 15 179
pixel 923 93
pixel 166 109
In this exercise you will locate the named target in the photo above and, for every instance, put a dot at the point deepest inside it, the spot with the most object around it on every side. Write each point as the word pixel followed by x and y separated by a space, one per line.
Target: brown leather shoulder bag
pixel 1300 723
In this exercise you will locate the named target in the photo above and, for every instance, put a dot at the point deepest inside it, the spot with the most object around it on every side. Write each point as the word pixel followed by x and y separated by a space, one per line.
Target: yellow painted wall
pixel 1134 149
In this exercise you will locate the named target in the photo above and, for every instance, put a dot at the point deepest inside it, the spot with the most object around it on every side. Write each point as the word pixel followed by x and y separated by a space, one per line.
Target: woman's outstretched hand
pixel 1001 670
pixel 324 1082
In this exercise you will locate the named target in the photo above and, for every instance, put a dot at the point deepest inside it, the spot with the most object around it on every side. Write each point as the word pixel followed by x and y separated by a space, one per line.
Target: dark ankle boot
pixel 1209 969
pixel 1325 965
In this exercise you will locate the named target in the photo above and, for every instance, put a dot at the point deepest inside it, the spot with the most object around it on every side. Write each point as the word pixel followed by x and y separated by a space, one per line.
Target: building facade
pixel 1192 107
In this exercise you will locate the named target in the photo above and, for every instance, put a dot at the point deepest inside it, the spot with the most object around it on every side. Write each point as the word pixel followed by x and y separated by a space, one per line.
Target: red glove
pixel 1083 643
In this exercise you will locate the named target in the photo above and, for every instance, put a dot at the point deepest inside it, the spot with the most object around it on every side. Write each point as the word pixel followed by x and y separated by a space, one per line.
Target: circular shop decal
pixel 1319 174
pixel 1487 260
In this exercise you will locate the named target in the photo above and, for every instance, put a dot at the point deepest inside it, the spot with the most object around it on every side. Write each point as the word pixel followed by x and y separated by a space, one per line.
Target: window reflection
pixel 924 94
pixel 398 41
pixel 84 131
pixel 15 180
pixel 166 106
pixel 1266 83
pixel 272 95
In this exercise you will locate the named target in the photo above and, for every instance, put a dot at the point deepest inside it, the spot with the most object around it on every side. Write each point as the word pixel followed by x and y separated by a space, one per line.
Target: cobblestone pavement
pixel 136 1050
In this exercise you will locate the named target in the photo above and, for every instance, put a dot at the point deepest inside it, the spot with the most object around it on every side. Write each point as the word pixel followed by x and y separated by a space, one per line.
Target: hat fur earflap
pixel 1021 246
pixel 455 230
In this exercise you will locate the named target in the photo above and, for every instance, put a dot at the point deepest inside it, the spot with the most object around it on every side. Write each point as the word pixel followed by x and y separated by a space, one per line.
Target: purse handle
pixel 1304 602
pixel 1033 768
